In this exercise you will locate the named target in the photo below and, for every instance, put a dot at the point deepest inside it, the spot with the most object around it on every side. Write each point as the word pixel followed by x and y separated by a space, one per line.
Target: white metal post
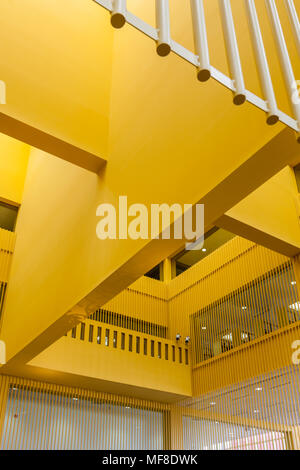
pixel 118 13
pixel 262 62
pixel 200 39
pixel 163 27
pixel 294 22
pixel 286 66
pixel 233 52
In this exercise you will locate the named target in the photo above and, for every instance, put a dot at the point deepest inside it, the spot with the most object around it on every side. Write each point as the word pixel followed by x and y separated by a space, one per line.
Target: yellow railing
pixel 116 338
pixel 39 415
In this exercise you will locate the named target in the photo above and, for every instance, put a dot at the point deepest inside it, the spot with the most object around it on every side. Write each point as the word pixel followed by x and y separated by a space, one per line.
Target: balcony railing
pixel 7 242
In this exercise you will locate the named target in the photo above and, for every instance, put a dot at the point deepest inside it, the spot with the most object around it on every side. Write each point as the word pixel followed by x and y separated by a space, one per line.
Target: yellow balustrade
pixel 234 386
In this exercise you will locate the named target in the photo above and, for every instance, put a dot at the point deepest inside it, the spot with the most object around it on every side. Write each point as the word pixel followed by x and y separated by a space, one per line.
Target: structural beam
pixel 50 144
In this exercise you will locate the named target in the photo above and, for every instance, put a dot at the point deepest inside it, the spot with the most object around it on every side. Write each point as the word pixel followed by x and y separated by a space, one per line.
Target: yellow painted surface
pixel 56 62
pixel 14 157
pixel 223 272
pixel 272 210
pixel 170 140
pixel 168 136
pixel 262 356
pixel 109 364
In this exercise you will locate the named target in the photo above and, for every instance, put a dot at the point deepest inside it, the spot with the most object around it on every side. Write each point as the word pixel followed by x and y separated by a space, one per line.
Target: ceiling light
pixel 203 327
pixel 244 307
pixel 204 250
pixel 293 283
pixel 75 398
pixel 256 411
pixel 258 389
pixel 212 403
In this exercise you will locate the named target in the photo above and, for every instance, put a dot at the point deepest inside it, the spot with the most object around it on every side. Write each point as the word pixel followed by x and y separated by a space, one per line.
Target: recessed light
pixel 75 398
pixel 203 327
pixel 128 407
pixel 293 283
pixel 244 307
pixel 212 403
pixel 258 389
pixel 256 411
pixel 204 250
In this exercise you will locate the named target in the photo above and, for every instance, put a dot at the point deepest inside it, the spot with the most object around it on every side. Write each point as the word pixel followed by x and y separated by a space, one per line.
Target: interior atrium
pixel 142 343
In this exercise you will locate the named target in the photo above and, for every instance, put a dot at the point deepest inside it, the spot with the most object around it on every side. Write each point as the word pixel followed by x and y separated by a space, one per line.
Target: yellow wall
pixel 13 166
pixel 262 356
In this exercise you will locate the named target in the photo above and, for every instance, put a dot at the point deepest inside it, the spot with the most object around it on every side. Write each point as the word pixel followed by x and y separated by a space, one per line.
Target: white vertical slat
pixel 262 62
pixel 163 27
pixel 200 39
pixel 118 13
pixel 285 62
pixel 233 52
pixel 294 22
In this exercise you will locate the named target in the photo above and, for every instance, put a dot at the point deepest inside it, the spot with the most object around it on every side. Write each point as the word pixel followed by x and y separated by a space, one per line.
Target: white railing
pixel 200 58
